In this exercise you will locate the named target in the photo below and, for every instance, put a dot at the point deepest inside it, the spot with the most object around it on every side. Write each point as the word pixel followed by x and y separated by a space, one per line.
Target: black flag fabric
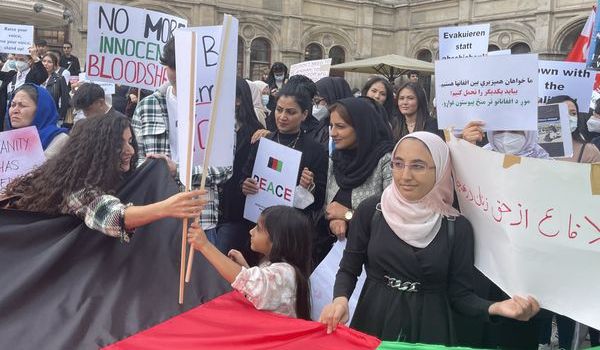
pixel 64 286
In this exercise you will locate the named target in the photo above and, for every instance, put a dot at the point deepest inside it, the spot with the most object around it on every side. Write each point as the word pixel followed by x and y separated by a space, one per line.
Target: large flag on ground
pixel 64 286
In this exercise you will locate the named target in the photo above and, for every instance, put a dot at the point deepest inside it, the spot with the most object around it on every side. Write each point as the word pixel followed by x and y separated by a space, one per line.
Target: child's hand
pixel 237 257
pixel 196 236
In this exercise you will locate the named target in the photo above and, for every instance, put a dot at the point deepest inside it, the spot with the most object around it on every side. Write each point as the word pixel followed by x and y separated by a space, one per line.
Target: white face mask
pixel 279 77
pixel 573 123
pixel 508 142
pixel 593 124
pixel 9 65
pixel 265 100
pixel 319 112
pixel 21 66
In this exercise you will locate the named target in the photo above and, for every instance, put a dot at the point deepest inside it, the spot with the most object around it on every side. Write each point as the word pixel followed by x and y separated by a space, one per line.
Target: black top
pixel 59 90
pixel 314 157
pixel 430 125
pixel 444 270
pixel 70 63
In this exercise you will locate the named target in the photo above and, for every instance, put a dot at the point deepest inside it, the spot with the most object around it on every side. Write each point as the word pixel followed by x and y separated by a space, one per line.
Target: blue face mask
pixel 265 100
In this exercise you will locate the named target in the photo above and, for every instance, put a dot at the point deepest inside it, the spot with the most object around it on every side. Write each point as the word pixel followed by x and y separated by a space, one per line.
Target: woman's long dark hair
pixel 277 66
pixel 399 126
pixel 291 233
pixel 245 115
pixel 90 159
pixel 388 105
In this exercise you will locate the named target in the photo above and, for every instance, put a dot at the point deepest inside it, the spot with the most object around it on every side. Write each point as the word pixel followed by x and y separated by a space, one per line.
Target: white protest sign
pixel 536 225
pixel 498 90
pixel 124 44
pixel 275 171
pixel 554 133
pixel 499 52
pixel 109 88
pixel 20 152
pixel 315 70
pixel 16 38
pixel 322 281
pixel 464 41
pixel 565 78
pixel 205 54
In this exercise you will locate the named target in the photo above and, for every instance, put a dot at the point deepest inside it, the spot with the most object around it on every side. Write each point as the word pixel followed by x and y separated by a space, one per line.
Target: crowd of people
pixel 374 171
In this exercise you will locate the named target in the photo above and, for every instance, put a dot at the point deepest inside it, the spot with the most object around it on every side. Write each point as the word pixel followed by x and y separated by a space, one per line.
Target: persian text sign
pixel 499 90
pixel 124 44
pixel 20 152
pixel 536 223
pixel 16 38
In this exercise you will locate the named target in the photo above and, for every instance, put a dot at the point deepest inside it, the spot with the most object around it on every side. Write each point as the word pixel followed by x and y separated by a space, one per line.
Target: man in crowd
pixel 90 100
pixel 68 61
pixel 42 47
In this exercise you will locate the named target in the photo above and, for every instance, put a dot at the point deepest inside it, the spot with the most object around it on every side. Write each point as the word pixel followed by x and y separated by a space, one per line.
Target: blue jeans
pixel 233 235
pixel 211 234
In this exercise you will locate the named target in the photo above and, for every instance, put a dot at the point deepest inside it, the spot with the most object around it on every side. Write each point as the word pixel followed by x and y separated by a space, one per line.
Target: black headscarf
pixel 352 167
pixel 333 89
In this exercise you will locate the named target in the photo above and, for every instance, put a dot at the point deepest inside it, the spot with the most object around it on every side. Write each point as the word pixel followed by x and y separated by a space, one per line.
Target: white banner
pixel 498 90
pixel 464 41
pixel 124 44
pixel 16 38
pixel 566 78
pixel 536 224
pixel 275 171
pixel 20 152
pixel 315 70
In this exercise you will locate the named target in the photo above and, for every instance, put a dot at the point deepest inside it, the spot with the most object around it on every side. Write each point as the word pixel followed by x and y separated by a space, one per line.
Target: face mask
pixel 21 66
pixel 9 65
pixel 320 112
pixel 573 123
pixel 279 77
pixel 357 94
pixel 508 142
pixel 302 198
pixel 593 124
pixel 265 100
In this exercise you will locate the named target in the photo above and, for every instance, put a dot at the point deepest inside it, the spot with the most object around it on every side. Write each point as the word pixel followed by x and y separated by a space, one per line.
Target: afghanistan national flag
pixel 64 286
pixel 275 164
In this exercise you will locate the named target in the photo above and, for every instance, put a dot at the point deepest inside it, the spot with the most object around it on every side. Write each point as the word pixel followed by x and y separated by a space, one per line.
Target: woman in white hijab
pixel 257 89
pixel 418 254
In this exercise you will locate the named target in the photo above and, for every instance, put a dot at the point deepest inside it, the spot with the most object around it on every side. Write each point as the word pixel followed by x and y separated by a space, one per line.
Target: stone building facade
pixel 295 30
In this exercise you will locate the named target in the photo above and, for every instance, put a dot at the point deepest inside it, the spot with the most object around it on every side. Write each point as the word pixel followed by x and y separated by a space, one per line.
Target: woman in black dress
pixel 418 254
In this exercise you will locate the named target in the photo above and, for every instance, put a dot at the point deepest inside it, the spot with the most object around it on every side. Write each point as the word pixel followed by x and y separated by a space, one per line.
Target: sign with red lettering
pixel 276 173
pixel 20 152
pixel 124 44
pixel 536 225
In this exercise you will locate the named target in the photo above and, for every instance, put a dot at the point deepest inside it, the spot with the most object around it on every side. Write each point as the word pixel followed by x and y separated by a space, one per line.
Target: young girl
pixel 280 283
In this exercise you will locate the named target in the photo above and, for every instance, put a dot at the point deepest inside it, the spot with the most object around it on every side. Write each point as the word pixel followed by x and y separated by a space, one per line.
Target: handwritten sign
pixel 464 41
pixel 109 88
pixel 315 70
pixel 16 38
pixel 124 44
pixel 275 171
pixel 554 133
pixel 20 152
pixel 499 90
pixel 565 78
pixel 203 52
pixel 536 223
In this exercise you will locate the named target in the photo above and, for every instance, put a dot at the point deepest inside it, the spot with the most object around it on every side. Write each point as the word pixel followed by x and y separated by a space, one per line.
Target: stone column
pixel 543 18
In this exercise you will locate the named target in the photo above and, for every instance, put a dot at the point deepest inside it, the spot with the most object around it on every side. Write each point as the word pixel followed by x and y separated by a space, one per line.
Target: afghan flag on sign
pixel 275 164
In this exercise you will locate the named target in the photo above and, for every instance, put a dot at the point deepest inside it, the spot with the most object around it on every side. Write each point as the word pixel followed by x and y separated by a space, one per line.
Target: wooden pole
pixel 213 120
pixel 190 154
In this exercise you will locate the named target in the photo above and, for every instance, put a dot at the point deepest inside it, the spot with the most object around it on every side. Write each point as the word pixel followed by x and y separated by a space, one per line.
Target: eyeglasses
pixel 318 100
pixel 417 167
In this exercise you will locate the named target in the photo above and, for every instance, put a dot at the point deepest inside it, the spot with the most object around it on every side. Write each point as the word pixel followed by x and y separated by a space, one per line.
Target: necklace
pixel 291 144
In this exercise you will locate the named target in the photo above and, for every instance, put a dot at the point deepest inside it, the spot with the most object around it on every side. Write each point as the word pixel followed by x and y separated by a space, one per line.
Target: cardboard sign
pixel 536 224
pixel 565 78
pixel 16 38
pixel 554 133
pixel 124 44
pixel 315 70
pixel 275 171
pixel 20 152
pixel 109 88
pixel 464 41
pixel 498 90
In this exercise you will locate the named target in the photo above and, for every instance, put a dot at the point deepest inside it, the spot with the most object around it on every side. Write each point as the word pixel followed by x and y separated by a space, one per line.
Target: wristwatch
pixel 348 215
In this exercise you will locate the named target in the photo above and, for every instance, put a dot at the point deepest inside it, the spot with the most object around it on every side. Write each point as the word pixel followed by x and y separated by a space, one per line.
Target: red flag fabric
pixel 232 322
pixel 579 52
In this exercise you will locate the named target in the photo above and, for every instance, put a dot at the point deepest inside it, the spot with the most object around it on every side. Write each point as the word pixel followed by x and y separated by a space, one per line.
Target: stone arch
pixel 251 28
pixel 504 35
pixel 426 40
pixel 564 31
pixel 328 37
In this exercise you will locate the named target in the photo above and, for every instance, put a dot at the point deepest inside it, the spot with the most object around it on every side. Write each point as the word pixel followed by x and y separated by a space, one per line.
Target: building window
pixel 260 57
pixel 569 40
pixel 240 57
pixel 425 80
pixel 313 52
pixel 519 48
pixel 425 55
pixel 337 55
pixel 493 47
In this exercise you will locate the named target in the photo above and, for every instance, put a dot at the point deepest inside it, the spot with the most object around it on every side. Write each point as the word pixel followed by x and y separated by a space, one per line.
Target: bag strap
pixel 450 221
pixel 581 152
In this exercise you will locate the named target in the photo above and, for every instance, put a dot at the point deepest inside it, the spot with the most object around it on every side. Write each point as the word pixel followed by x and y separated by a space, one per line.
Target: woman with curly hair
pixel 82 181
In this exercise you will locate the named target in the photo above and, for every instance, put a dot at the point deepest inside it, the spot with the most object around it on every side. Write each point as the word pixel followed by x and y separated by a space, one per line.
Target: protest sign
pixel 464 41
pixel 498 90
pixel 322 281
pixel 275 171
pixel 204 55
pixel 315 70
pixel 565 78
pixel 109 88
pixel 16 38
pixel 124 44
pixel 554 133
pixel 499 53
pixel 20 152
pixel 536 224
